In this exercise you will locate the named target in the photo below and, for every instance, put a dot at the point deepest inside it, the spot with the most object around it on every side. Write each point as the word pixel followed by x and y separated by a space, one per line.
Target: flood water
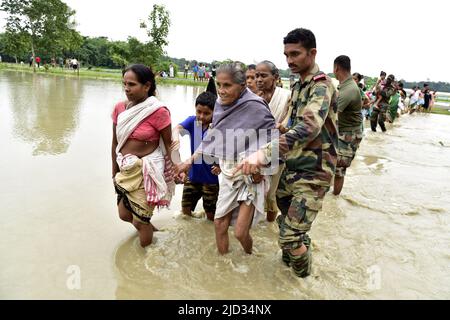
pixel 386 237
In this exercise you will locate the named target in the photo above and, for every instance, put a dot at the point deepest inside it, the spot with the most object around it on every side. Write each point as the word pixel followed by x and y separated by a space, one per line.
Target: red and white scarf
pixel 157 170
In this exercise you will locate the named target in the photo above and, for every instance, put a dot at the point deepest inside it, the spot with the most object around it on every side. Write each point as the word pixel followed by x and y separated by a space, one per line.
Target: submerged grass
pixel 116 75
pixel 95 73
pixel 437 110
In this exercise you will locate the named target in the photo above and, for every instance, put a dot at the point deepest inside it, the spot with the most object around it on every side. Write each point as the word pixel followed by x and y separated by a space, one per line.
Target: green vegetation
pixel 32 25
pixel 437 110
pixel 46 28
pixel 434 86
pixel 85 73
pixel 94 73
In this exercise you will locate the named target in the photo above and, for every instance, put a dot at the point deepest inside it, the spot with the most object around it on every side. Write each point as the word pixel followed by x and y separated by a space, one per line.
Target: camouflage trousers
pixel 193 192
pixel 348 144
pixel 299 203
pixel 378 115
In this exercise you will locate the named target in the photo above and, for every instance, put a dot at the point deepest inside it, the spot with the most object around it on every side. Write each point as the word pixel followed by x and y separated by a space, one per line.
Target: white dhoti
pixel 240 188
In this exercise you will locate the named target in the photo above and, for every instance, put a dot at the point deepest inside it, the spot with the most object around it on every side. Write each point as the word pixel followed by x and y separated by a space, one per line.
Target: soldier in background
pixel 308 146
pixel 349 120
pixel 382 105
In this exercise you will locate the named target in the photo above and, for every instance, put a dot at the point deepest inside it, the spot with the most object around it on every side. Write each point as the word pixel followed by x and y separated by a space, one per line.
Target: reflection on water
pixel 45 111
pixel 386 237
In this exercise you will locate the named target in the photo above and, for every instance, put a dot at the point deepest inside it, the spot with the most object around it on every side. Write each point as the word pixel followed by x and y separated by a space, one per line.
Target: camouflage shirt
pixel 309 148
pixel 386 93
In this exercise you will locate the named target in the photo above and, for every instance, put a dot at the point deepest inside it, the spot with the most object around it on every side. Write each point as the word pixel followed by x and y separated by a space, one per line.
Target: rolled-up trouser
pixel 299 203
pixel 378 115
pixel 271 198
pixel 348 144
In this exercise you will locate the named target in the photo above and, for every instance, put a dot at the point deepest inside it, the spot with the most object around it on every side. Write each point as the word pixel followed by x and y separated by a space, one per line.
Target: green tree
pixel 120 53
pixel 72 41
pixel 93 52
pixel 13 45
pixel 46 25
pixel 164 65
pixel 158 30
pixel 139 52
pixel 370 82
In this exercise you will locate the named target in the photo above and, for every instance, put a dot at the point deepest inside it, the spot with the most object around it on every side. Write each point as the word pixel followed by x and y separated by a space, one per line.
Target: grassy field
pixel 94 73
pixel 116 75
pixel 440 111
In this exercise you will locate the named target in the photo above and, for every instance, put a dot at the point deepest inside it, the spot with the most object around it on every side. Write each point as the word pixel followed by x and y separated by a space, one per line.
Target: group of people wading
pixel 277 151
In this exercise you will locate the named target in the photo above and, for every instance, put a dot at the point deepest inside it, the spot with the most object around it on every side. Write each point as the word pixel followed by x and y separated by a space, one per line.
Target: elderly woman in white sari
pixel 241 122
pixel 141 169
pixel 279 100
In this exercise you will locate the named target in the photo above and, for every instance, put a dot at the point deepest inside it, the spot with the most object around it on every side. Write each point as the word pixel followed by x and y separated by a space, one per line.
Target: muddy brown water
pixel 386 237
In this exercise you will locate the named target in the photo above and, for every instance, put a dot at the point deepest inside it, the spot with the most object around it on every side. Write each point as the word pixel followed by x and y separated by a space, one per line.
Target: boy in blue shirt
pixel 203 181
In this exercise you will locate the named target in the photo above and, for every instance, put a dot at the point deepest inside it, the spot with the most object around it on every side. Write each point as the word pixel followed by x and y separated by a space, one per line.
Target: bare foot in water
pixel 155 229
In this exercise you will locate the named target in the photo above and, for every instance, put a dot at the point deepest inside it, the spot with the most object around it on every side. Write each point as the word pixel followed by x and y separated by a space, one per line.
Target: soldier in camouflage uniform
pixel 349 120
pixel 380 109
pixel 308 146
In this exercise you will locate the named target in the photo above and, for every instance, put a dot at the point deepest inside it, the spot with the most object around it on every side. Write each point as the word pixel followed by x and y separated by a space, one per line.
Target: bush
pixel 165 66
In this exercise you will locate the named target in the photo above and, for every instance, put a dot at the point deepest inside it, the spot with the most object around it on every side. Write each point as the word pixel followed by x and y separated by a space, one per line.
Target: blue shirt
pixel 199 173
pixel 195 69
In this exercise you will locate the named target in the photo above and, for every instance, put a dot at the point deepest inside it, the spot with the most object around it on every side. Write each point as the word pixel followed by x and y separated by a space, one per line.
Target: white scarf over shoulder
pixel 158 186
pixel 128 120
pixel 279 104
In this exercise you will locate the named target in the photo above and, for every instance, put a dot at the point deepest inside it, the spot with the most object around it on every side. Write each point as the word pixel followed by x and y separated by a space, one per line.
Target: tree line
pixel 46 28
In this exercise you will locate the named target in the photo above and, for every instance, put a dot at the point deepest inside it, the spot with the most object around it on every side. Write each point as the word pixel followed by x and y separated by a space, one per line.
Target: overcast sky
pixel 407 38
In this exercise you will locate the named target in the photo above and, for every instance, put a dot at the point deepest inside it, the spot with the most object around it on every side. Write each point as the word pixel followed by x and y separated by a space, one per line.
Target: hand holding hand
pixel 216 170
pixel 281 128
pixel 183 167
pixel 181 178
pixel 257 178
pixel 251 164
pixel 175 145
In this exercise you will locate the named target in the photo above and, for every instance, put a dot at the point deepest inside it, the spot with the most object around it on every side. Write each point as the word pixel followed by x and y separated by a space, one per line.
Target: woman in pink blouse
pixel 141 168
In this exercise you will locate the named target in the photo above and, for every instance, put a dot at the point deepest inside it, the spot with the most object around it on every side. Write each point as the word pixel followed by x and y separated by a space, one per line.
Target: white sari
pixel 279 104
pixel 158 186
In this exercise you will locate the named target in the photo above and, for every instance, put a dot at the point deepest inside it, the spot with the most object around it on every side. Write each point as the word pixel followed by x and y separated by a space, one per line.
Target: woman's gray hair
pixel 236 70
pixel 273 68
